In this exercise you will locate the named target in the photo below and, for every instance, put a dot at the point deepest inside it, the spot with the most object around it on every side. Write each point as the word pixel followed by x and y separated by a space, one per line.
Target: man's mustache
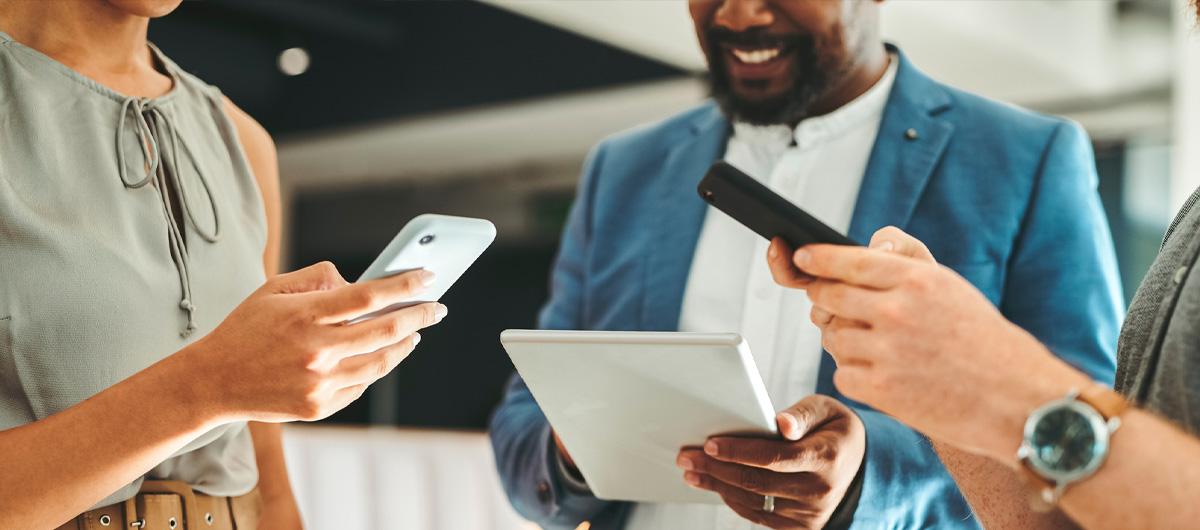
pixel 755 38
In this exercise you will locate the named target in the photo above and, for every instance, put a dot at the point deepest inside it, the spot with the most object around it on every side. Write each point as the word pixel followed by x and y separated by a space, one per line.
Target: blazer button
pixel 1180 274
pixel 543 492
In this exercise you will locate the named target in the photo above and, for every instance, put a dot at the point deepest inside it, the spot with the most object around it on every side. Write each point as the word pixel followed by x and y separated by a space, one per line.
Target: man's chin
pixel 756 111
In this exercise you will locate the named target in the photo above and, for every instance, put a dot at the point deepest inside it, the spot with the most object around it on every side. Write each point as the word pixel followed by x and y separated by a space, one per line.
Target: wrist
pixel 1041 383
pixel 191 387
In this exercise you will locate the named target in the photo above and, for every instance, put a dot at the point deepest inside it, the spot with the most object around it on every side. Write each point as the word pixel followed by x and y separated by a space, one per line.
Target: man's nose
pixel 741 15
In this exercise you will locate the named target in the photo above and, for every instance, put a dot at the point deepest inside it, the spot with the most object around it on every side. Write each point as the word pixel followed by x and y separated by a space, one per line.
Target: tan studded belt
pixel 173 505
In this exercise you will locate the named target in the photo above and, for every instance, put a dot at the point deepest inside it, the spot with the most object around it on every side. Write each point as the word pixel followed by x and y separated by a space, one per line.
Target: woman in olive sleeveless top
pixel 138 212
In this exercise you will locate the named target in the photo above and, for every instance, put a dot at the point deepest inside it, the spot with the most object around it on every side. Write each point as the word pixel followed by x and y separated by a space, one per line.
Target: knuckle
pixel 831 339
pixel 891 310
pixel 327 270
pixel 826 452
pixel 363 299
pixel 311 406
pixel 381 367
pixel 428 315
pixel 390 329
pixel 311 359
pixel 920 279
pixel 751 479
pixel 413 283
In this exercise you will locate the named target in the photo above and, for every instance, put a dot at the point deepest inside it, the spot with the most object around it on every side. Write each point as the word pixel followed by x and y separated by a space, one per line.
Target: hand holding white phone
pixel 442 244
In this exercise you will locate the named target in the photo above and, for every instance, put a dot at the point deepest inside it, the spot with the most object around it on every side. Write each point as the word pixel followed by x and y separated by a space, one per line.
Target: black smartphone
pixel 754 205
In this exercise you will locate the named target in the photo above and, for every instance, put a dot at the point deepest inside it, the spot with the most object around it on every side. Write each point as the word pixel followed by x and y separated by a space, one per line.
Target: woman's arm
pixel 78 456
pixel 283 355
pixel 279 503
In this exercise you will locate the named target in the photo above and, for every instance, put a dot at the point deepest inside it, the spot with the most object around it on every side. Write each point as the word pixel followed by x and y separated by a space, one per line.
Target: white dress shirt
pixel 818 166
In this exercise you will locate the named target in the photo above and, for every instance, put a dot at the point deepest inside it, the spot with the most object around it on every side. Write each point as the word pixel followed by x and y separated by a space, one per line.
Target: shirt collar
pixel 866 107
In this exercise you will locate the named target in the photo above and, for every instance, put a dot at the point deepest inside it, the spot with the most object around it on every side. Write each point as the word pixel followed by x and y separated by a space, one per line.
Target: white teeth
pixel 756 56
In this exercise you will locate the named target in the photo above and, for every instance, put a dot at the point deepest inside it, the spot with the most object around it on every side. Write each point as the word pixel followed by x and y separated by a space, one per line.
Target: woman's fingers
pixel 387 329
pixel 321 276
pixel 370 367
pixel 355 300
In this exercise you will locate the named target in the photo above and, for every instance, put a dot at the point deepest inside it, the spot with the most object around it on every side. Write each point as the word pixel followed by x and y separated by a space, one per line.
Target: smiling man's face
pixel 774 61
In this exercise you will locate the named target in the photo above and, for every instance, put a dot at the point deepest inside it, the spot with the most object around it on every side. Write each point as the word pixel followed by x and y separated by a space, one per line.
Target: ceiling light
pixel 294 61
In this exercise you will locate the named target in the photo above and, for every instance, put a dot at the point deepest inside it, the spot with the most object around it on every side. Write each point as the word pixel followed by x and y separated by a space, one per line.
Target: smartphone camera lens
pixel 708 196
pixel 426 240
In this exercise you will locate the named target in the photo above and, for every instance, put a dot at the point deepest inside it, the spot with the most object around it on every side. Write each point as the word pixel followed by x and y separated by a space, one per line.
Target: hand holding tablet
pixel 625 403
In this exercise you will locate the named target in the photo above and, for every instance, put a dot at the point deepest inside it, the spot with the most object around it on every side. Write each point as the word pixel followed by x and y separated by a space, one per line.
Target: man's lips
pixel 756 63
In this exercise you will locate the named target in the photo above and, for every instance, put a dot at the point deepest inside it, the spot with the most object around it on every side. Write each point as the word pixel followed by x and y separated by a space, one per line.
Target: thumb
pixel 805 416
pixel 895 240
pixel 321 276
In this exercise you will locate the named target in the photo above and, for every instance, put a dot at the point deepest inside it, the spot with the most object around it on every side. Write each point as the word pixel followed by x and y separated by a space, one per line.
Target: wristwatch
pixel 1067 440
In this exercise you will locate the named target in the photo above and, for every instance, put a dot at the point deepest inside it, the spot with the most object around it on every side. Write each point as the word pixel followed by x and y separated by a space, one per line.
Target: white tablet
pixel 625 403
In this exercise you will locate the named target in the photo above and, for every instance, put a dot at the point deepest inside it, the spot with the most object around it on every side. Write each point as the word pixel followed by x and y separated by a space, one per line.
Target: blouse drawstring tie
pixel 151 124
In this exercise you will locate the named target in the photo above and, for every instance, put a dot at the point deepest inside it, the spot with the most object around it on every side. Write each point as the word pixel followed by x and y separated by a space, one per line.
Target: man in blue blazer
pixel 810 101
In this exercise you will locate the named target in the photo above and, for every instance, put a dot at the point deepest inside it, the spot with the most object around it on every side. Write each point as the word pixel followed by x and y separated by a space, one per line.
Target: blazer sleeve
pixel 1061 285
pixel 524 449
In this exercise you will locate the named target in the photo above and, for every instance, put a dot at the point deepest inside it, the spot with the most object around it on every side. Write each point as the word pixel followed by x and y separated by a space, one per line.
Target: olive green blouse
pixel 129 227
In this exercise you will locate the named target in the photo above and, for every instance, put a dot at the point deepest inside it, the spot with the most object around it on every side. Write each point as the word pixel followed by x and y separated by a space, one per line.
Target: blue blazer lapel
pixel 677 219
pixel 911 140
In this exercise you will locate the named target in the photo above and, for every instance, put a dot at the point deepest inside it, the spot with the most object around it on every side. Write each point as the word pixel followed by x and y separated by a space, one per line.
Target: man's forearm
pixel 998 497
pixel 1148 481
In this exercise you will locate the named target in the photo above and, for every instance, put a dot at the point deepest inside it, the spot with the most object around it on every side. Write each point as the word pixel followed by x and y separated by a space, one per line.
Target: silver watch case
pixel 1102 430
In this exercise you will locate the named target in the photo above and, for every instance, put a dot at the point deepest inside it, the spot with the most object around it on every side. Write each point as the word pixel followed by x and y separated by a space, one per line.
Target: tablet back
pixel 624 403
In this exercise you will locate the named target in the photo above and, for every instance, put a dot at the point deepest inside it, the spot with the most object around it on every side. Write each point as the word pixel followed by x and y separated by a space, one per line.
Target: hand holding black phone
pixel 769 215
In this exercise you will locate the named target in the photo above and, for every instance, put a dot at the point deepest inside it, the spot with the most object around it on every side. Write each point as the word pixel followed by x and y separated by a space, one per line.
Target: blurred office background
pixel 383 110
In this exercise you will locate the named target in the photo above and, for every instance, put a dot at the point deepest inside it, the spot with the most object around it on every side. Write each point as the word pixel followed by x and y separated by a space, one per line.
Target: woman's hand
pixel 287 353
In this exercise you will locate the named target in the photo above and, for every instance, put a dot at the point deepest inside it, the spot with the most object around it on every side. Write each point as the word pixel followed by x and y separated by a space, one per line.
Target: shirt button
pixel 543 492
pixel 1180 274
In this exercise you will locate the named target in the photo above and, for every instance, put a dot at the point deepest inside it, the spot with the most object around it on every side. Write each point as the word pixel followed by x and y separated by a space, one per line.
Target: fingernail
pixel 440 312
pixel 772 252
pixel 692 478
pixel 711 448
pixel 886 246
pixel 685 463
pixel 789 424
pixel 416 339
pixel 802 257
pixel 427 278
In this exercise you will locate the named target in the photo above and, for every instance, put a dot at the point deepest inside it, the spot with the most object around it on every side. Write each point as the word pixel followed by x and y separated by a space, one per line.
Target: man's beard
pixel 810 78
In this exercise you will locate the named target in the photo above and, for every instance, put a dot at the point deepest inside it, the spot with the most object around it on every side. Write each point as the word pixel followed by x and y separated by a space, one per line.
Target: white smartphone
pixel 442 244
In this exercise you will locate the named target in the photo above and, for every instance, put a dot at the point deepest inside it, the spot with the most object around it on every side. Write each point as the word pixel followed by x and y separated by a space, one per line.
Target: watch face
pixel 1064 441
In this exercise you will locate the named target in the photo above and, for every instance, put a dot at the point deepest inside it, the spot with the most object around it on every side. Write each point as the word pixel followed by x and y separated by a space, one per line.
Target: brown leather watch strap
pixel 1106 401
pixel 1110 405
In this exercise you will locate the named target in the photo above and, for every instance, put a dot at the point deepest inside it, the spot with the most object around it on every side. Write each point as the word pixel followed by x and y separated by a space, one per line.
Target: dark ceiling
pixel 375 60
